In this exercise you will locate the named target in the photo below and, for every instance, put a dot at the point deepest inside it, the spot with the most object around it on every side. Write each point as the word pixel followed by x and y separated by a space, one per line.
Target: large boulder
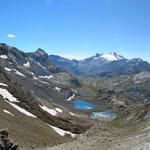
pixel 5 142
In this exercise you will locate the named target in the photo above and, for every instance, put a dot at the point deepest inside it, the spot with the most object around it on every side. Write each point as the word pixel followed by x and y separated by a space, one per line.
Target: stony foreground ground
pixel 98 138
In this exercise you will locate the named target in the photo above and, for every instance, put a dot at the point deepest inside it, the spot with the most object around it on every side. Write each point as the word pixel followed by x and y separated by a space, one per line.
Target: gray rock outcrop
pixel 5 142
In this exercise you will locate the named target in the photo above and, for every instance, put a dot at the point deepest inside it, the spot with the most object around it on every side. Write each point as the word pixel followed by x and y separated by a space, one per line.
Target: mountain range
pixel 37 89
pixel 102 65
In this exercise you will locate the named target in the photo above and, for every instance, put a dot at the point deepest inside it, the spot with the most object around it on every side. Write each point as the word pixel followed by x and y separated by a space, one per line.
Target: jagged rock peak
pixel 2 44
pixel 41 51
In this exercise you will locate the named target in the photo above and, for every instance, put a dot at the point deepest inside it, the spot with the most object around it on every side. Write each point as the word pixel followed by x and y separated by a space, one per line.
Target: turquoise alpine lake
pixel 85 94
pixel 82 104
pixel 106 113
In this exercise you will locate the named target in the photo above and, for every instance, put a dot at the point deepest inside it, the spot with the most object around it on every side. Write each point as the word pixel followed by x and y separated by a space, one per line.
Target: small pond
pixel 85 94
pixel 82 104
pixel 106 113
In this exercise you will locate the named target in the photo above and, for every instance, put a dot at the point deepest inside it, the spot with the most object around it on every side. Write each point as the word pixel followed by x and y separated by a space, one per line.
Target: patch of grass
pixel 114 123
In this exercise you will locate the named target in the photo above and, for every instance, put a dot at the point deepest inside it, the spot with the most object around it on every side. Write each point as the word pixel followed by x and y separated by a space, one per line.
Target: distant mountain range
pixel 102 65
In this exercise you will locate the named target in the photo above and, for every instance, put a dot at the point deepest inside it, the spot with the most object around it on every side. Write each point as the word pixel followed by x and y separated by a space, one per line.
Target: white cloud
pixel 11 36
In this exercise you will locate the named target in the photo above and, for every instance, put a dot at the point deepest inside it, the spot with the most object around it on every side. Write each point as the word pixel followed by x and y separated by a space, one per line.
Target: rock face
pixel 27 78
pixel 34 65
pixel 103 65
pixel 5 142
pixel 37 73
pixel 134 87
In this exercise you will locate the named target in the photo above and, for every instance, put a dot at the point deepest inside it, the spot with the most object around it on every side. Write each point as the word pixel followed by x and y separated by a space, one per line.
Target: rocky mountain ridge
pixel 133 87
pixel 102 65
pixel 35 65
pixel 31 99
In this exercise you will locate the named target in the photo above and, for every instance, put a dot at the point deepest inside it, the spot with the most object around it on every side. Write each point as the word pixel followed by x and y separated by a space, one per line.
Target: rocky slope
pixel 130 130
pixel 28 94
pixel 133 87
pixel 34 65
pixel 5 142
pixel 37 73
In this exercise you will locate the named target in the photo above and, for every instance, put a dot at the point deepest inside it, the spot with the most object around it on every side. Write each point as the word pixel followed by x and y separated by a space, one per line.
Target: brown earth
pixel 27 131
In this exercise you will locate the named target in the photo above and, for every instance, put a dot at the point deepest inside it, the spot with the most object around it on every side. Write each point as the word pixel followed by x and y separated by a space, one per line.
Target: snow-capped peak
pixel 110 57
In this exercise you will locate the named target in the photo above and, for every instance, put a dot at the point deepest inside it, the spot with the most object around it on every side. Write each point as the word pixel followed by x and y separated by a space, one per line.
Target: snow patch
pixel 31 72
pixel 3 56
pixel 35 78
pixel 58 89
pixel 46 77
pixel 59 110
pixel 7 69
pixel 41 65
pixel 62 132
pixel 44 82
pixel 8 112
pixel 19 73
pixel 27 64
pixel 3 84
pixel 71 97
pixel 50 111
pixel 6 95
pixel 72 114
pixel 22 110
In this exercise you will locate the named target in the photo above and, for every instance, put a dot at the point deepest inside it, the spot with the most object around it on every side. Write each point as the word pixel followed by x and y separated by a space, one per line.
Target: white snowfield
pixel 58 89
pixel 9 98
pixel 19 73
pixel 27 64
pixel 6 95
pixel 50 111
pixel 71 97
pixel 46 77
pixel 3 56
pixel 3 84
pixel 110 57
pixel 62 132
pixel 7 69
pixel 8 112
pixel 59 110
pixel 22 110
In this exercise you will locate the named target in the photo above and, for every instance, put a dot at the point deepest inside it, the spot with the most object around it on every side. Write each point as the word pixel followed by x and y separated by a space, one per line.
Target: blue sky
pixel 77 28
